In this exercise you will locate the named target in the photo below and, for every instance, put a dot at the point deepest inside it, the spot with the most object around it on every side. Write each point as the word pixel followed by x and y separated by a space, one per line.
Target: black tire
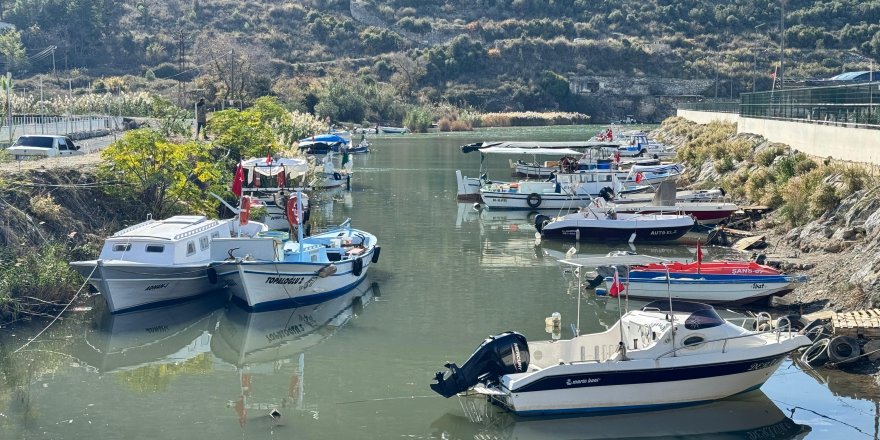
pixel 843 349
pixel 817 355
pixel 357 267
pixel 606 193
pixel 337 176
pixel 533 200
pixel 212 275
pixel 540 221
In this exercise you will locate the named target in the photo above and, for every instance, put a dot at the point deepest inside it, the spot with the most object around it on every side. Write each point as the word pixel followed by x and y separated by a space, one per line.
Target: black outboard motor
pixel 540 221
pixel 498 355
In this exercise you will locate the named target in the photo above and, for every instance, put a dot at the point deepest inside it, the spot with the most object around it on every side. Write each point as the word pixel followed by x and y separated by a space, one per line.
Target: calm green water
pixel 359 367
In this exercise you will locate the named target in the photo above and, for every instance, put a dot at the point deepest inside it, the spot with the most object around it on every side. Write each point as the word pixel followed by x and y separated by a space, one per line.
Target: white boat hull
pixel 695 289
pixel 645 395
pixel 130 286
pixel 268 286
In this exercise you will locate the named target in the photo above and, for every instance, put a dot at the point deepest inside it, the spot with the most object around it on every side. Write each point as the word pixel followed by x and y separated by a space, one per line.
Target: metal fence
pixel 856 105
pixel 711 106
pixel 74 126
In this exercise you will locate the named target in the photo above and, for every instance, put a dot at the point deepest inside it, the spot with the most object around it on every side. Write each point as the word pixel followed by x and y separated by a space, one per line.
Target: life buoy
pixel 245 213
pixel 533 200
pixel 357 267
pixel 292 214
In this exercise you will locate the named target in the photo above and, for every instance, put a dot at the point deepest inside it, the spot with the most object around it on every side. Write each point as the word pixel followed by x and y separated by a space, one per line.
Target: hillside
pixel 488 54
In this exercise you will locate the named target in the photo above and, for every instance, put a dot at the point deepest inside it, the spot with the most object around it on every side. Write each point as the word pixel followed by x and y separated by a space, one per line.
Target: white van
pixel 32 146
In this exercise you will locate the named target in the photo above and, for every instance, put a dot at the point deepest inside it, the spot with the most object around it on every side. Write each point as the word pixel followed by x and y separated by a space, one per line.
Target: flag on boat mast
pixel 238 180
pixel 699 256
pixel 616 285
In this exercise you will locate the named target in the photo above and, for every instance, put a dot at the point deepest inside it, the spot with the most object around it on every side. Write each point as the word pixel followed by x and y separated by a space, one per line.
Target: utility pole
pixel 755 53
pixel 782 43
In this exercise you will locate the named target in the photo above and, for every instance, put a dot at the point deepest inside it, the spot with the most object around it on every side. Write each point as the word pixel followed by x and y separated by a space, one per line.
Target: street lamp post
pixel 755 53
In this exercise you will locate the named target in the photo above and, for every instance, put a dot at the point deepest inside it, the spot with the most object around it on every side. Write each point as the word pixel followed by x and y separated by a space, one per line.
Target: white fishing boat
pixel 159 261
pixel 393 130
pixel 666 354
pixel 665 200
pixel 266 272
pixel 329 176
pixel 270 182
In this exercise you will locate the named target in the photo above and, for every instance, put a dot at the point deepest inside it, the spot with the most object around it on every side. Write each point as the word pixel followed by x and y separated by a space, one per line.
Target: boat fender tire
pixel 817 355
pixel 212 275
pixel 541 221
pixel 376 251
pixel 357 267
pixel 794 323
pixel 843 349
pixel 533 200
pixel 815 329
pixel 337 176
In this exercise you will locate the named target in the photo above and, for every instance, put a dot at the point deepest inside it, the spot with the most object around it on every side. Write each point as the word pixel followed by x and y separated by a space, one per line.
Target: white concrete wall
pixel 844 143
pixel 707 117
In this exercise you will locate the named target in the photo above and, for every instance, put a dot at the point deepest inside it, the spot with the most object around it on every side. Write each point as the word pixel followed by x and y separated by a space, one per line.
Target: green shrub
pixel 418 119
pixel 767 156
pixel 823 199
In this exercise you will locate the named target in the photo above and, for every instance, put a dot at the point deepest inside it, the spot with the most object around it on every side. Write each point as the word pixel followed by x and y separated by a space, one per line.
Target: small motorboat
pixel 707 281
pixel 668 353
pixel 322 143
pixel 329 176
pixel 159 261
pixel 362 147
pixel 393 130
pixel 594 224
pixel 267 272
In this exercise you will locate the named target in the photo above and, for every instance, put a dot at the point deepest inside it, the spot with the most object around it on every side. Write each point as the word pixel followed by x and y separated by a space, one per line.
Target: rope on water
pixel 75 296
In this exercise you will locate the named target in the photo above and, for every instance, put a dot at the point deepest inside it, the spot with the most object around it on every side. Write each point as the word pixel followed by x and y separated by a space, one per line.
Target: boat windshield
pixel 701 316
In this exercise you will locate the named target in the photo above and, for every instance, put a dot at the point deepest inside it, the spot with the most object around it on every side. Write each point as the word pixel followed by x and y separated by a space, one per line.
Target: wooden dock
pixel 864 323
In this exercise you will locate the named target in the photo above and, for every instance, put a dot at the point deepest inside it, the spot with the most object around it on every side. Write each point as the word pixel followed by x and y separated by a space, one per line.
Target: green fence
pixel 853 104
pixel 850 104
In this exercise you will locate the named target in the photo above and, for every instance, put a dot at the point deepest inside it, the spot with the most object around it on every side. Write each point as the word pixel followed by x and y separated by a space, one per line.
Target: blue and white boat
pixel 267 272
pixel 667 354
pixel 322 143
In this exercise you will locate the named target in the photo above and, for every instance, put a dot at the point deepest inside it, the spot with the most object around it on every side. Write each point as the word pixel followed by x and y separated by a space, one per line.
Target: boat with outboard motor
pixel 267 272
pixel 668 353
pixel 160 261
pixel 600 224
pixel 666 200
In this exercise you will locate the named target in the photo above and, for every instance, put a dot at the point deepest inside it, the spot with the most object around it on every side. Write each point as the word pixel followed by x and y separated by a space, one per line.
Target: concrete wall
pixel 707 117
pixel 842 143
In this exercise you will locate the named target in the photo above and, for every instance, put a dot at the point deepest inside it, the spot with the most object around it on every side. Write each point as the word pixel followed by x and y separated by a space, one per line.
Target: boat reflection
pixel 268 349
pixel 747 416
pixel 171 334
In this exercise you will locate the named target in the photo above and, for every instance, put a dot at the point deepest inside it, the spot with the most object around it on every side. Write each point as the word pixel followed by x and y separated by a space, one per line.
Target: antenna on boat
pixel 671 313
pixel 231 208
pixel 577 330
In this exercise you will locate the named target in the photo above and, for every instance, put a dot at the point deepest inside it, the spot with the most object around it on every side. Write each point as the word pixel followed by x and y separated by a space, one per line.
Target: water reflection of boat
pixel 247 338
pixel 748 416
pixel 162 335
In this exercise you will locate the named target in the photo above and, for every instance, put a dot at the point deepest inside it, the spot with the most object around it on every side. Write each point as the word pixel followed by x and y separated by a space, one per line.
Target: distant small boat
pixel 393 130
pixel 322 143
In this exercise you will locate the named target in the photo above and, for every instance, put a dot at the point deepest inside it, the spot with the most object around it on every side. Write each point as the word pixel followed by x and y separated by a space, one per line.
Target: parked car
pixel 32 146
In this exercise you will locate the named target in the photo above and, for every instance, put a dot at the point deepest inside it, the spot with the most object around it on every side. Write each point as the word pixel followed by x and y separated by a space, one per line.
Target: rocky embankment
pixel 825 218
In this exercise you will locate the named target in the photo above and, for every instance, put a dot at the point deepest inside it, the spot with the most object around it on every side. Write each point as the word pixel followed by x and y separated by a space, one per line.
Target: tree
pixel 239 69
pixel 158 174
pixel 12 50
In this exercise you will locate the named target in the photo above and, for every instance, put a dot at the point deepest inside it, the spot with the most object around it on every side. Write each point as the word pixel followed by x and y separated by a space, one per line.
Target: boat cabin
pixel 180 239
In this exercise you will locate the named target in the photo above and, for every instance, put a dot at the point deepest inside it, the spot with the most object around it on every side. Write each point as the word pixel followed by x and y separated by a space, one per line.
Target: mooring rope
pixel 75 296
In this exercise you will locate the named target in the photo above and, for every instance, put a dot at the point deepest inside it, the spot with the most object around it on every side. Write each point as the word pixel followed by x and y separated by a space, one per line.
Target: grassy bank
pixel 751 169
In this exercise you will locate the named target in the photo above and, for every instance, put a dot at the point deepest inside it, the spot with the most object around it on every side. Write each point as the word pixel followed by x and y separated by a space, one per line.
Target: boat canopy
pixel 519 150
pixel 542 144
pixel 260 166
pixel 323 138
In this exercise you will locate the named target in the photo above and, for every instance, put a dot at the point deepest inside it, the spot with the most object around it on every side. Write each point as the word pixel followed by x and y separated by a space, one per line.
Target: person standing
pixel 201 118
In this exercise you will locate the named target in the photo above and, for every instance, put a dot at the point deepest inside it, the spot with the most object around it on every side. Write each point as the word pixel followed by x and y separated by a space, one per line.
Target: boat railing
pixel 200 229
pixel 134 227
pixel 778 331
